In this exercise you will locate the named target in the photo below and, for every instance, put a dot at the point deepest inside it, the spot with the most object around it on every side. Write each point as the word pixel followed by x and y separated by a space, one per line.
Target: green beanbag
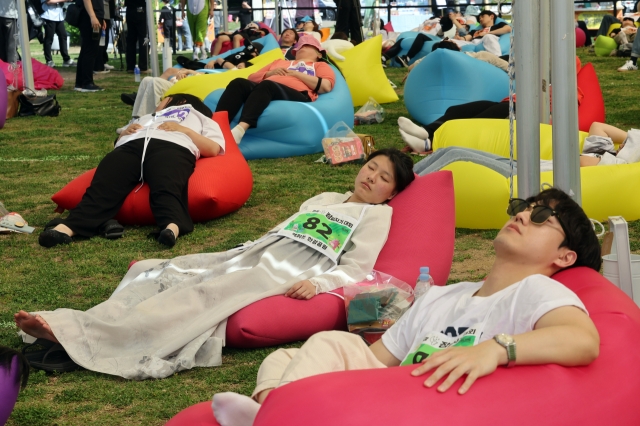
pixel 604 45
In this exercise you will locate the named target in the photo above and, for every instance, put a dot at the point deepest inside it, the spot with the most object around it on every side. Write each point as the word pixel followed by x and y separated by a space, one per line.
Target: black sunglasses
pixel 539 213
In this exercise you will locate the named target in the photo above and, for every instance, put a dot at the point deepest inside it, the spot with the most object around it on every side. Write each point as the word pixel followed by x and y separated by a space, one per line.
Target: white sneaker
pixel 68 63
pixel 196 53
pixel 628 66
pixel 51 64
pixel 109 67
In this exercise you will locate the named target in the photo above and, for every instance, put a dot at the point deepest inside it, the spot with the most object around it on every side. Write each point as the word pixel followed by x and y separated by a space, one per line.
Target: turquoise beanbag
pixel 446 78
pixel 287 129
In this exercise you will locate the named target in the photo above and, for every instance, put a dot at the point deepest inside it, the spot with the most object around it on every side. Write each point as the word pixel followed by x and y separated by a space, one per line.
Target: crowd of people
pixel 518 304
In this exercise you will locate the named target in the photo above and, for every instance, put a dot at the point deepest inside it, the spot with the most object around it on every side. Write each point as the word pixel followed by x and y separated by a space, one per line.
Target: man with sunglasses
pixel 517 316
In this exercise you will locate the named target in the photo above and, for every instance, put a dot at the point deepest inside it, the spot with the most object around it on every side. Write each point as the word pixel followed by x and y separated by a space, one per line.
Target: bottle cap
pixel 424 270
pixel 369 277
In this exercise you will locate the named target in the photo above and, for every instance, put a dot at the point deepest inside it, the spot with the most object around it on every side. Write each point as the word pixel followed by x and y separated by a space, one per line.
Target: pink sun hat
pixel 309 41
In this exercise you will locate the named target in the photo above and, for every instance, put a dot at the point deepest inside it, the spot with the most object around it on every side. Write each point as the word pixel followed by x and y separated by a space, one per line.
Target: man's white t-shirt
pixel 186 116
pixel 452 309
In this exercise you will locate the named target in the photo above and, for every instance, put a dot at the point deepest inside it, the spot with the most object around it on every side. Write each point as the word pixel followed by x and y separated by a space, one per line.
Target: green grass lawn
pixel 40 155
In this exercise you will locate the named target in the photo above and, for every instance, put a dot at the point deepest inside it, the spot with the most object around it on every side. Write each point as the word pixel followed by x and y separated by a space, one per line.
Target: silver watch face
pixel 504 339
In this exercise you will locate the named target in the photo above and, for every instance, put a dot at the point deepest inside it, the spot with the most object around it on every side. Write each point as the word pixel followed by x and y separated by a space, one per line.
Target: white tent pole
pixel 566 148
pixel 545 57
pixel 25 51
pixel 276 16
pixel 527 63
pixel 225 15
pixel 153 42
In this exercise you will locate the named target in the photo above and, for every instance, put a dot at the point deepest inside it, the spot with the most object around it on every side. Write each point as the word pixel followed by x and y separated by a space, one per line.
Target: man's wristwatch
pixel 507 342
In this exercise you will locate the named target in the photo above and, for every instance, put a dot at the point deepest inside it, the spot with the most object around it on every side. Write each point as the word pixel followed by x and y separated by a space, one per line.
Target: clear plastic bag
pixel 370 113
pixel 375 304
pixel 342 145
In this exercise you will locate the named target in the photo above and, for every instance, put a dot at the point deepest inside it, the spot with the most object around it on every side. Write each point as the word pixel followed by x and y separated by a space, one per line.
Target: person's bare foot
pixel 34 325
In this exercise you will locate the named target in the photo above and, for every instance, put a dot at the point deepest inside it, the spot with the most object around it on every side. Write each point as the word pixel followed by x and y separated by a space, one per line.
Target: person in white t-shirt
pixel 516 316
pixel 171 139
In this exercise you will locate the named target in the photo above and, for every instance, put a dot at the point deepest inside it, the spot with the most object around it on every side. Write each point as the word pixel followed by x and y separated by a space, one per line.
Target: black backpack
pixel 37 6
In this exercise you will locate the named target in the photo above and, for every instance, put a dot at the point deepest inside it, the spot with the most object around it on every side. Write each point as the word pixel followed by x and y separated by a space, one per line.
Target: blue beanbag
pixel 287 129
pixel 446 78
pixel 268 43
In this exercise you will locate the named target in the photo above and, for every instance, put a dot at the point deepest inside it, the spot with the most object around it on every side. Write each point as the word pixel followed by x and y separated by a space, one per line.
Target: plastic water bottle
pixel 423 283
pixel 136 74
pixel 103 40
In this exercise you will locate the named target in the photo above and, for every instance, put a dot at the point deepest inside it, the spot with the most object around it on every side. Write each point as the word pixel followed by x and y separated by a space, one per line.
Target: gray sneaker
pixel 68 63
pixel 51 64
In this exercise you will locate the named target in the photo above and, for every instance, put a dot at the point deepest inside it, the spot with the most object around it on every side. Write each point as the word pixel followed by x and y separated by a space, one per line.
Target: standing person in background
pixel 245 14
pixel 8 31
pixel 217 17
pixel 182 29
pixel 136 34
pixel 166 19
pixel 53 17
pixel 348 19
pixel 91 22
pixel 101 65
pixel 198 13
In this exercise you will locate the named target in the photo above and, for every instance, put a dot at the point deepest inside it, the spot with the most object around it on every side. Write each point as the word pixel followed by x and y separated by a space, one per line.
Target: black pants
pixel 52 28
pixel 88 51
pixel 103 57
pixel 136 33
pixel 348 19
pixel 167 168
pixel 478 109
pixel 415 48
pixel 168 32
pixel 256 98
pixel 8 45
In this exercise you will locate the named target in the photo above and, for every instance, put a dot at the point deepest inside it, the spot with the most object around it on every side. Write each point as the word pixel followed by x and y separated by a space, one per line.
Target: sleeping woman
pixel 170 315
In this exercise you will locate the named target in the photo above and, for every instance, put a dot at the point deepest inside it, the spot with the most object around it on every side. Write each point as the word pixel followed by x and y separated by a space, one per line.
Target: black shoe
pixel 128 98
pixel 167 237
pixel 404 60
pixel 112 229
pixel 51 238
pixel 89 88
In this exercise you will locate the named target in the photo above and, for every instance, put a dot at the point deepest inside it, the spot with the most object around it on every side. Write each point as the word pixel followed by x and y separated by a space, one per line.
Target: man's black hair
pixel 489 13
pixel 402 166
pixel 446 44
pixel 580 235
pixel 196 103
pixel 628 18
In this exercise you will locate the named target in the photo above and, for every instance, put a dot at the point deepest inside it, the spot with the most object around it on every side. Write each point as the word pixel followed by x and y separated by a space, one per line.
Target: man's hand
pixel 210 65
pixel 171 126
pixel 301 290
pixel 95 23
pixel 182 73
pixel 277 71
pixel 474 362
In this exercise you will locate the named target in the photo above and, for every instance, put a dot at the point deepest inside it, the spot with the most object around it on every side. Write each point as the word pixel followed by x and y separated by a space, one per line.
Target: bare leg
pixel 218 45
pixel 600 129
pixel 262 396
pixel 238 40
pixel 34 325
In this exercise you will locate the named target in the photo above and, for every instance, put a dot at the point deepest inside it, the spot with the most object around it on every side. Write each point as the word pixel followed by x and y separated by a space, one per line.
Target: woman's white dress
pixel 170 315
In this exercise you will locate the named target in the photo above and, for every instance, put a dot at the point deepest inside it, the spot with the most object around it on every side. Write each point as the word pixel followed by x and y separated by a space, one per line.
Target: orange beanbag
pixel 218 186
pixel 591 107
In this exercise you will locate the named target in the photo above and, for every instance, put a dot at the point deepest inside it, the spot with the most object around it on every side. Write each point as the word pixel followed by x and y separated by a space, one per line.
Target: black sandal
pixel 55 359
pixel 112 230
pixel 32 353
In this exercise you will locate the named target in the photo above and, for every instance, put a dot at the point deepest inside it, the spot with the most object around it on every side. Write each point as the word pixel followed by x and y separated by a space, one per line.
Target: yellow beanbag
pixel 202 85
pixel 482 194
pixel 364 73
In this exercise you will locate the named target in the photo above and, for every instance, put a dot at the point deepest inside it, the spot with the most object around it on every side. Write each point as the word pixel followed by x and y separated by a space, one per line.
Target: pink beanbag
pixel 602 393
pixel 581 37
pixel 3 102
pixel 422 234
pixel 200 414
pixel 592 106
pixel 218 186
pixel 44 77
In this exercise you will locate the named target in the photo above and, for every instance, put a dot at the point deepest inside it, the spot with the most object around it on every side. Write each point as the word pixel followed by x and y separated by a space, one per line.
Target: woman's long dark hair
pixel 6 361
pixel 196 103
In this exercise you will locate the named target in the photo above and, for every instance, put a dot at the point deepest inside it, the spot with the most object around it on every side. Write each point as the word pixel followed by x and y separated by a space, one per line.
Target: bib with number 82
pixel 325 231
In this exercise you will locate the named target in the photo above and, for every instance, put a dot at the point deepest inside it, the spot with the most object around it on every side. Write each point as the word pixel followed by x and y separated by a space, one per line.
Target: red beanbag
pixel 218 186
pixel 422 234
pixel 581 37
pixel 592 106
pixel 602 393
pixel 200 414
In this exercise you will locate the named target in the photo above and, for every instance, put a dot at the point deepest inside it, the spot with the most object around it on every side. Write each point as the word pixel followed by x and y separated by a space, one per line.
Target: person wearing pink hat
pixel 300 80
